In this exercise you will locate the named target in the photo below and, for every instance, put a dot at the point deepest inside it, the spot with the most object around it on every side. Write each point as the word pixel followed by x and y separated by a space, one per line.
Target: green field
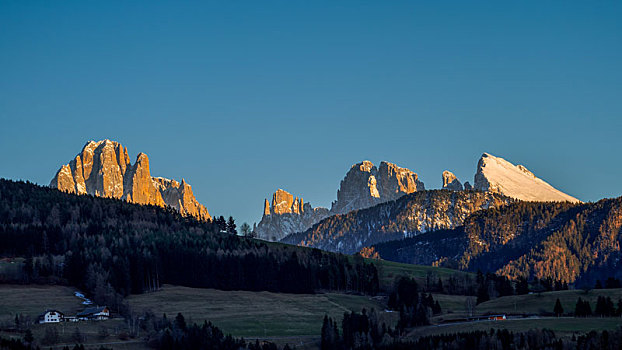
pixel 544 302
pixel 452 304
pixel 256 314
pixel 389 271
pixel 454 307
pixel 564 326
pixel 33 300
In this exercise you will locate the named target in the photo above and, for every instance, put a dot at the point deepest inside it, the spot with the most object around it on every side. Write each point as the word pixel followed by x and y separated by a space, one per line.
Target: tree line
pixel 536 339
pixel 111 248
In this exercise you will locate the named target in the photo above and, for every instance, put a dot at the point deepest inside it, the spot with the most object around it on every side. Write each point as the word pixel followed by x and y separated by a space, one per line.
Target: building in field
pixel 94 313
pixel 51 316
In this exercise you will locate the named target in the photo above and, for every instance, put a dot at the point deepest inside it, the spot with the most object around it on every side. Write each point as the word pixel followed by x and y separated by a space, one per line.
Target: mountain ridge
pixel 407 216
pixel 366 185
pixel 562 241
pixel 103 169
pixel 363 186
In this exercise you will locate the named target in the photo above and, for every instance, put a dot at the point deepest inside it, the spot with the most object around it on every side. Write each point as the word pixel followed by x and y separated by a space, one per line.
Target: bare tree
pixel 246 230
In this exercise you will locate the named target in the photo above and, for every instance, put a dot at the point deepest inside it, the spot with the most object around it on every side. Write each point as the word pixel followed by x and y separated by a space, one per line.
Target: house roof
pixel 92 310
pixel 50 310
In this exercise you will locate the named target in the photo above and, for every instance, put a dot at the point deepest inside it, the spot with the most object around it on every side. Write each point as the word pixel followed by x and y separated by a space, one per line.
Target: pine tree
pixel 558 309
pixel 578 309
pixel 482 294
pixel 180 321
pixel 231 227
pixel 28 337
pixel 522 287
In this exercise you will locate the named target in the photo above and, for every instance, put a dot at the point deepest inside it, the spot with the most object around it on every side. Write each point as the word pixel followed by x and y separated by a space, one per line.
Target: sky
pixel 241 98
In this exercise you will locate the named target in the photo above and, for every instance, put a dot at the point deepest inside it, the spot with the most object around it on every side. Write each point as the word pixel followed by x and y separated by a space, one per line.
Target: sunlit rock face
pixel 497 175
pixel 358 189
pixel 285 215
pixel 363 186
pixel 103 169
pixel 451 182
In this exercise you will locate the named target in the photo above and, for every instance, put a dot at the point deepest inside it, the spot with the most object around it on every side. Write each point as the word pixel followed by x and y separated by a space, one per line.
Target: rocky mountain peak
pixel 497 175
pixel 365 185
pixel 451 182
pixel 103 168
pixel 396 181
pixel 286 214
pixel 358 189
pixel 364 166
pixel 284 202
pixel 266 207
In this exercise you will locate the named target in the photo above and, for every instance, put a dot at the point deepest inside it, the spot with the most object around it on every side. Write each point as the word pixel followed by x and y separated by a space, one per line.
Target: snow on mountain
pixel 495 174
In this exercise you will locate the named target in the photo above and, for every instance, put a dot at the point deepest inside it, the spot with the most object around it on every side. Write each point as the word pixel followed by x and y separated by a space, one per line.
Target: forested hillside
pixel 407 216
pixel 560 241
pixel 112 248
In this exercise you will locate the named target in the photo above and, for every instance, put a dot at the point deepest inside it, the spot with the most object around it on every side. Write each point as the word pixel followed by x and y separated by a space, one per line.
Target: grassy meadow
pixel 539 303
pixel 256 314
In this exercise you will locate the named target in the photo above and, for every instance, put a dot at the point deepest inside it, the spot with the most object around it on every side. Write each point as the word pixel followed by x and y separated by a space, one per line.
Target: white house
pixel 51 316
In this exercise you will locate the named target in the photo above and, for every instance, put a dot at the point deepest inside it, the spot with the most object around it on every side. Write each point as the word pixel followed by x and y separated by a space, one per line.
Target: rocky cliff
pixel 285 215
pixel 451 182
pixel 363 186
pixel 103 169
pixel 410 215
pixel 495 174
pixel 366 185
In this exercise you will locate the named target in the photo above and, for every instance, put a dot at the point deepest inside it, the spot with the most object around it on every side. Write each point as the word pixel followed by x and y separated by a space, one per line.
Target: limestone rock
pixel 266 207
pixel 467 186
pixel 180 196
pixel 287 214
pixel 138 185
pixel 358 189
pixel 365 186
pixel 283 202
pixel 497 175
pixel 103 169
pixel 451 182
pixel 395 182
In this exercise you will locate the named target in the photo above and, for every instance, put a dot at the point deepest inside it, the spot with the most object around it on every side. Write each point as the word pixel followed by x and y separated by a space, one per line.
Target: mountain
pixel 558 240
pixel 407 216
pixel 497 175
pixel 363 186
pixel 287 214
pixel 451 182
pixel 103 169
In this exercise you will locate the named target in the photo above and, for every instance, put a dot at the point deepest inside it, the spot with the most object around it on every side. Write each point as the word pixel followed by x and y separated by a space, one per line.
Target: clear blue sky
pixel 243 97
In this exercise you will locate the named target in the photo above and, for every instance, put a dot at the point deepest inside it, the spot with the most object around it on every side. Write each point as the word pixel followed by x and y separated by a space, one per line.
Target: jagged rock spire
pixel 103 169
pixel 451 182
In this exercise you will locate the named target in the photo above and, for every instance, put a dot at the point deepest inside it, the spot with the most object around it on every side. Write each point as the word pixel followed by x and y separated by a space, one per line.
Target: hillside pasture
pixel 542 303
pixel 256 314
pixel 389 271
pixel 564 326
